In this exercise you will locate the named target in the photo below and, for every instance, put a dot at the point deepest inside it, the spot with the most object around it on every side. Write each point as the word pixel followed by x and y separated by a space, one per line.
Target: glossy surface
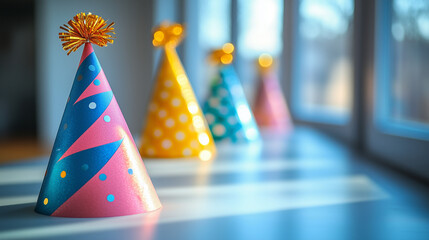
pixel 304 186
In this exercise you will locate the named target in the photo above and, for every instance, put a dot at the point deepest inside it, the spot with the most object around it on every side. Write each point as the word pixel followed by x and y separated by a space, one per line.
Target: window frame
pixel 383 42
pixel 347 130
pixel 402 152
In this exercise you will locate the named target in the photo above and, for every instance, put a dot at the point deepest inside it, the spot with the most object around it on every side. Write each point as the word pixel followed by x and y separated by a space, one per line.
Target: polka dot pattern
pixel 110 198
pixel 92 105
pixel 102 177
pixel 175 126
pixel 91 68
pixel 94 169
pixel 84 167
pixel 106 118
pixel 227 111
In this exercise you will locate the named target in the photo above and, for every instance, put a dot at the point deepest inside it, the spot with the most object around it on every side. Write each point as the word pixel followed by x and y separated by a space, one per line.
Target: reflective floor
pixel 301 186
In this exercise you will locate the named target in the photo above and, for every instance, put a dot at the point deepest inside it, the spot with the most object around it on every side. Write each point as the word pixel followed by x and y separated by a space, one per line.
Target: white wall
pixel 128 63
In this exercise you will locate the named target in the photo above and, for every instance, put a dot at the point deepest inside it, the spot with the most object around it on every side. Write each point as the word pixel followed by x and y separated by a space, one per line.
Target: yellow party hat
pixel 175 126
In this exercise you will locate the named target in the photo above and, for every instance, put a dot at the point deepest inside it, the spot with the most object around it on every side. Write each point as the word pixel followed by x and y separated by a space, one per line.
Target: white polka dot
pixel 150 151
pixel 91 67
pixel 232 120
pixel 175 102
pixel 223 110
pixel 180 136
pixel 186 152
pixel 164 94
pixel 219 130
pixel 162 113
pixel 92 105
pixel 166 144
pixel 183 118
pixel 205 155
pixel 222 92
pixel 152 107
pixel 214 102
pixel 210 118
pixel 157 132
pixel 193 107
pixel 194 143
pixel 198 122
pixel 239 135
pixel 168 83
pixel 203 138
pixel 182 79
pixel 169 123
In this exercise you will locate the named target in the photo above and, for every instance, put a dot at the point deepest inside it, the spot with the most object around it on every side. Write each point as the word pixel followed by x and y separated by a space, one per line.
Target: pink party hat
pixel 95 169
pixel 270 108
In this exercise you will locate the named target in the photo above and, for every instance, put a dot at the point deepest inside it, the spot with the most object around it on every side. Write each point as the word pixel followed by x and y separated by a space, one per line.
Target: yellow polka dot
pixel 63 174
pixel 205 155
pixel 45 201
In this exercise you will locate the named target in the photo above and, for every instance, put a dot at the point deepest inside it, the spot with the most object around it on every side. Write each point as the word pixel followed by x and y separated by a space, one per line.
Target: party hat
pixel 95 169
pixel 226 109
pixel 175 126
pixel 270 107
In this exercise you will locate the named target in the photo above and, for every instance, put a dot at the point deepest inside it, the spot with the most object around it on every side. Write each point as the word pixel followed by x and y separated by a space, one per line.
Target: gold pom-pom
pixel 86 28
pixel 168 35
pixel 265 62
pixel 223 55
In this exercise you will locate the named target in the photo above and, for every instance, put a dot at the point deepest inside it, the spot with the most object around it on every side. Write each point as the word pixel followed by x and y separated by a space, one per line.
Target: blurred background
pixel 353 69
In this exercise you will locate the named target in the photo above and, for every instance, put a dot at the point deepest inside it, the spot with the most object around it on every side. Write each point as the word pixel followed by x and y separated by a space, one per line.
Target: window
pixel 214 23
pixel 323 65
pixel 402 88
pixel 260 27
pixel 259 30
